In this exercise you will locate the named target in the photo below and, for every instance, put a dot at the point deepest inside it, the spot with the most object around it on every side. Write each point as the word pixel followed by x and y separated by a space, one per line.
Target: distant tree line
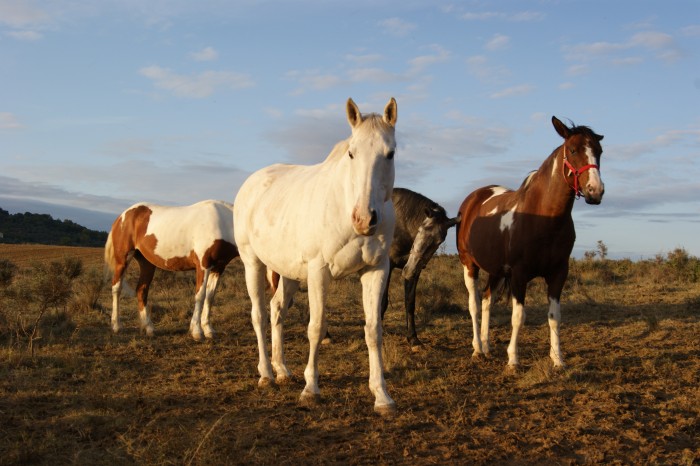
pixel 44 229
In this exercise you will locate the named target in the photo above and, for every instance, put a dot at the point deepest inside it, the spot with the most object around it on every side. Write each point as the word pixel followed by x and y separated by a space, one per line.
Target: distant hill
pixel 44 229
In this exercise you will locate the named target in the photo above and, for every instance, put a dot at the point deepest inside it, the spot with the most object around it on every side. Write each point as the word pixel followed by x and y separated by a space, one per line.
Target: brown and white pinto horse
pixel 197 237
pixel 516 236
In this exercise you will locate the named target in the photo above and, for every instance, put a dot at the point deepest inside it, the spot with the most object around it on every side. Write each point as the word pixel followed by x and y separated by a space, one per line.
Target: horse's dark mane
pixel 583 130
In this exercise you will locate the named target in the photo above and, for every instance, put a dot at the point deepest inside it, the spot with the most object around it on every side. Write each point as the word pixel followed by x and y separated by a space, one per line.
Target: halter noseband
pixel 576 172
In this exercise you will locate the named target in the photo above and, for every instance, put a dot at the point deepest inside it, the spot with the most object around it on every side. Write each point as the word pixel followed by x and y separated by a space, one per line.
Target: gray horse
pixel 421 227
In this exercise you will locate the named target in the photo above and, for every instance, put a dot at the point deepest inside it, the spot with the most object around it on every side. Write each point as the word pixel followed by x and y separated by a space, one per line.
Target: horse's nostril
pixel 373 220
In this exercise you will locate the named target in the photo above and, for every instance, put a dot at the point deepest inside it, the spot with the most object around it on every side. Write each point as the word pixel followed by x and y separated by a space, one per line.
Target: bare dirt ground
pixel 629 394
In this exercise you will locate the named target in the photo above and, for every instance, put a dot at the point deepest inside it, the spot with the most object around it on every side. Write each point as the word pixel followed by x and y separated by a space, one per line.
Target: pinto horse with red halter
pixel 515 236
pixel 197 237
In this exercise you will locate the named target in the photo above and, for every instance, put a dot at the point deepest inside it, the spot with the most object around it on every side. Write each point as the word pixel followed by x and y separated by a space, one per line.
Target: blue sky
pixel 104 104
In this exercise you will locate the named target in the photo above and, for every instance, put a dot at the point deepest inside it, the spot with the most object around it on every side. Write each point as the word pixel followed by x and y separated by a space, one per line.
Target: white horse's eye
pixel 350 155
pixel 390 155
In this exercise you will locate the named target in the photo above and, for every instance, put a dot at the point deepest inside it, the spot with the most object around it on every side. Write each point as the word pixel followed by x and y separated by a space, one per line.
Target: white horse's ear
pixel 390 112
pixel 354 115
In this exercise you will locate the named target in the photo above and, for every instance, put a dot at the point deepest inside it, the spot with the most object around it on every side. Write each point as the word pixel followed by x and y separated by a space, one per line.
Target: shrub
pixel 7 272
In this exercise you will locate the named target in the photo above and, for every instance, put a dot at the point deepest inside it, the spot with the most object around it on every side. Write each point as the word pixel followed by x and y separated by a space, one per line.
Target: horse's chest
pixel 357 254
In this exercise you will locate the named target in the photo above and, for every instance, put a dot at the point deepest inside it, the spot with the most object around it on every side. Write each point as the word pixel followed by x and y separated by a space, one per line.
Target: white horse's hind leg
pixel 373 283
pixel 195 323
pixel 486 304
pixel 517 321
pixel 554 318
pixel 278 312
pixel 208 303
pixel 255 283
pixel 318 279
pixel 474 310
pixel 116 291
pixel 146 323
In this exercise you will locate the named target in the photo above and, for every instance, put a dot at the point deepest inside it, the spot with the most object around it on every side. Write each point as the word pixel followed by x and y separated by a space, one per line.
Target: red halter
pixel 576 172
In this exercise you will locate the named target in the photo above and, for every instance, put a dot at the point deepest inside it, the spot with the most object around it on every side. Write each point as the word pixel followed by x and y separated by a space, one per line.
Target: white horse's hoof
pixel 265 382
pixel 309 399
pixel 149 331
pixel 116 328
pixel 386 410
pixel 283 379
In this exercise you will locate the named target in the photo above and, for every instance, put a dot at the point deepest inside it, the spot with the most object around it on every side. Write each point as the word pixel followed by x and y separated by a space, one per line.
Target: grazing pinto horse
pixel 421 227
pixel 516 236
pixel 318 223
pixel 199 237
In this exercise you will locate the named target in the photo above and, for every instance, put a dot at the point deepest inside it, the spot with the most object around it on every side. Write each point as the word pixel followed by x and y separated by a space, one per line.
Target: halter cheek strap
pixel 576 172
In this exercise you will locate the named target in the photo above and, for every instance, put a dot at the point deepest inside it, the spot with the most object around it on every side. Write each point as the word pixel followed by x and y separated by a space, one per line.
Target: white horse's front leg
pixel 195 323
pixel 255 282
pixel 554 318
pixel 517 321
pixel 373 283
pixel 208 303
pixel 474 310
pixel 278 312
pixel 318 279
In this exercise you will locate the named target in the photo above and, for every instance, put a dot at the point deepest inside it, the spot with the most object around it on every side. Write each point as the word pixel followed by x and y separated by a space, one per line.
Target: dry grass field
pixel 71 392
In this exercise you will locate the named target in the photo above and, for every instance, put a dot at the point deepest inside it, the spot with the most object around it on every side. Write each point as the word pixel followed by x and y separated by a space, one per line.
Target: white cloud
pixel 397 27
pixel 627 61
pixel 522 89
pixel 471 16
pixel 9 121
pixel 497 42
pixel 206 54
pixel 314 80
pixel 363 59
pixel 577 70
pixel 21 14
pixel 660 45
pixel 522 16
pixel 566 86
pixel 376 75
pixel 419 63
pixel 691 31
pixel 197 86
pixel 25 35
pixel 479 66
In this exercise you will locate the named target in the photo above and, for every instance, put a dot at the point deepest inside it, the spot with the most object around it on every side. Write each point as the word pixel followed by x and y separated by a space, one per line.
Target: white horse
pixel 197 237
pixel 318 223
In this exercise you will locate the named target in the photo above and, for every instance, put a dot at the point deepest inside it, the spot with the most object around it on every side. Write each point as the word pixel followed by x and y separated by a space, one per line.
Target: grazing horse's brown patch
pixel 516 236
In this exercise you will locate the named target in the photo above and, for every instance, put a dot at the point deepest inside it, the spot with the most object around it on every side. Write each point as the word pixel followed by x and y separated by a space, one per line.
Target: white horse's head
pixel 370 158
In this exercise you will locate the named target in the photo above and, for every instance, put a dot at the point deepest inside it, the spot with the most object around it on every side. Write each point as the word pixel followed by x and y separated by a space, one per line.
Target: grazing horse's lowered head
pixel 370 188
pixel 431 234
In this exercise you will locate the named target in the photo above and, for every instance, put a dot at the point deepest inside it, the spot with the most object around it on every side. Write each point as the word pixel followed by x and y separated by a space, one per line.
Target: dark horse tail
pixel 499 284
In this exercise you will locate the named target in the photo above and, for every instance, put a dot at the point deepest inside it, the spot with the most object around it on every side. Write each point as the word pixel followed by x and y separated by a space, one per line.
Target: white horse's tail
pixel 110 262
pixel 111 265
